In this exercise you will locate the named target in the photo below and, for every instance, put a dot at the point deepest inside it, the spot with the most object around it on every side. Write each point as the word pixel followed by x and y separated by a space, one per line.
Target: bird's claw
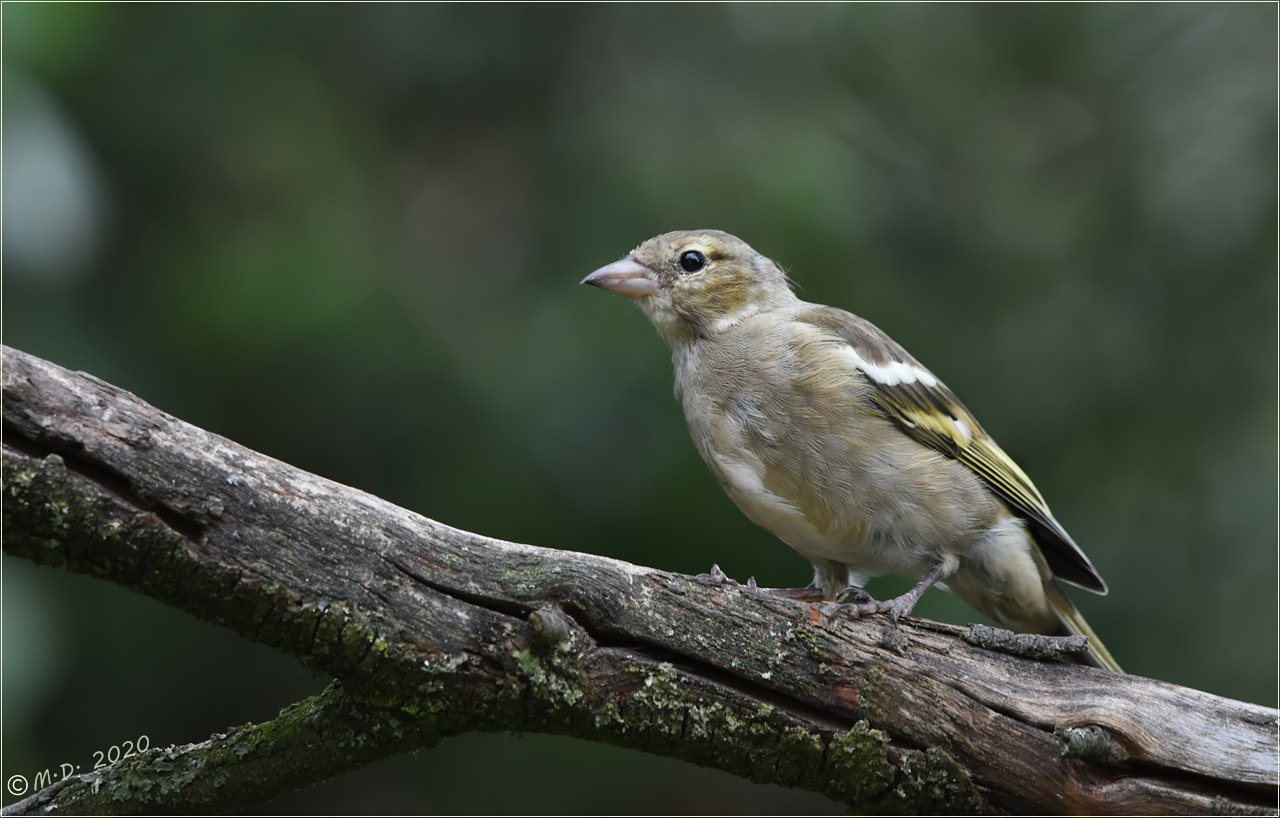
pixel 868 606
pixel 854 594
pixel 897 607
pixel 719 577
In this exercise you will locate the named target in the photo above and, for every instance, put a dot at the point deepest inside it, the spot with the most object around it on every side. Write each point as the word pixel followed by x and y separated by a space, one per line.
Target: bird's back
pixel 771 404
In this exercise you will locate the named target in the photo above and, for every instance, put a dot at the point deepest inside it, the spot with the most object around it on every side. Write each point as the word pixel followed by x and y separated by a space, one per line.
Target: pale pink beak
pixel 625 277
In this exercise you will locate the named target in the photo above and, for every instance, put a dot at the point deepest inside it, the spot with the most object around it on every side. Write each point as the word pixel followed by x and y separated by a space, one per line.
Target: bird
pixel 827 433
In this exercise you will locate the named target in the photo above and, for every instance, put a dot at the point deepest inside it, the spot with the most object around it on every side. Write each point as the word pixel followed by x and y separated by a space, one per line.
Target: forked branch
pixel 431 631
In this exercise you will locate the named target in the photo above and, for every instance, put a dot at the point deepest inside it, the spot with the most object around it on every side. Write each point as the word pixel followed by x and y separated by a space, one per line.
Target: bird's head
pixel 694 284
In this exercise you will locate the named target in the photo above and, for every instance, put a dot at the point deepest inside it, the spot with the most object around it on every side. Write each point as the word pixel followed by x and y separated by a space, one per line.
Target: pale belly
pixel 871 537
pixel 809 459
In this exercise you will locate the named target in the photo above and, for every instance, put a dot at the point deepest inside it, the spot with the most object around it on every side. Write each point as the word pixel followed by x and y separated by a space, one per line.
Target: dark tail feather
pixel 1074 623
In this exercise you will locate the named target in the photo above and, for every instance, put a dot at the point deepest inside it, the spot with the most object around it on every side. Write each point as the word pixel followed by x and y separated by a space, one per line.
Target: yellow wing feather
pixel 924 408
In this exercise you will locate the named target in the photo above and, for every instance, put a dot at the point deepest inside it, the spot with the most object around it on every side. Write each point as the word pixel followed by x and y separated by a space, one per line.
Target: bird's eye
pixel 691 261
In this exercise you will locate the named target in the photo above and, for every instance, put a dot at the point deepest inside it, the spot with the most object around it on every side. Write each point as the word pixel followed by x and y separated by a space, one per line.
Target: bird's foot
pixel 866 605
pixel 897 607
pixel 812 594
pixel 797 594
pixel 852 594
pixel 719 577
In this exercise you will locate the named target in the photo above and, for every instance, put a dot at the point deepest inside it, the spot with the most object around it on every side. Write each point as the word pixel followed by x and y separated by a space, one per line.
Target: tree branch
pixel 431 631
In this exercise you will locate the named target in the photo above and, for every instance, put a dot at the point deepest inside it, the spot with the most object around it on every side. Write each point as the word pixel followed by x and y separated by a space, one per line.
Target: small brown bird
pixel 827 433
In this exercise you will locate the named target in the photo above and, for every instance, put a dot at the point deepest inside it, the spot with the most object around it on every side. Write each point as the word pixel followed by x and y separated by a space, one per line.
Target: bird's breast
pixel 788 430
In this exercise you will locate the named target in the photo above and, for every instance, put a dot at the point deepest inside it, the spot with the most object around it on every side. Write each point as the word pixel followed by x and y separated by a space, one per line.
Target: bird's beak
pixel 626 277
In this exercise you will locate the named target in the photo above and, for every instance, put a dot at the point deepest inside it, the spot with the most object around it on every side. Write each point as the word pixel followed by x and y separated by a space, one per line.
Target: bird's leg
pixel 897 607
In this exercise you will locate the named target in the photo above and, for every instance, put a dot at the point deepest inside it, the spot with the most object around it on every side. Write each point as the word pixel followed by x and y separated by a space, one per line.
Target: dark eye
pixel 691 261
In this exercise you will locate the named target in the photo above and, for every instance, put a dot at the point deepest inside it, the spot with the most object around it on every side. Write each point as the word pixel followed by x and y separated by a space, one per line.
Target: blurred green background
pixel 350 236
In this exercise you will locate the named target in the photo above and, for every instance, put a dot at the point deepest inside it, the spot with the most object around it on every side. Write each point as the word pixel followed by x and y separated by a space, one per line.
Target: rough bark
pixel 432 631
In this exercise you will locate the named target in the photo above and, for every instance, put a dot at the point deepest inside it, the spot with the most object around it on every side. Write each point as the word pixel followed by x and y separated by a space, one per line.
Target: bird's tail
pixel 1074 623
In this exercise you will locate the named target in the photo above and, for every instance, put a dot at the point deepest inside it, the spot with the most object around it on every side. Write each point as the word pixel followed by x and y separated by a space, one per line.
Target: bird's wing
pixel 923 407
